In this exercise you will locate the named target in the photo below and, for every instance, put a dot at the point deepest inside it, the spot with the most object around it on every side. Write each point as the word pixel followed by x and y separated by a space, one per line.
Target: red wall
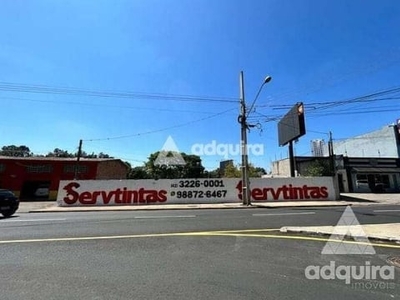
pixel 15 172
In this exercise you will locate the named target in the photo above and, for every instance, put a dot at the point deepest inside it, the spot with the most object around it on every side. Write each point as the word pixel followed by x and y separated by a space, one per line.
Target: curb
pixel 304 205
pixel 324 234
pixel 182 207
pixel 124 208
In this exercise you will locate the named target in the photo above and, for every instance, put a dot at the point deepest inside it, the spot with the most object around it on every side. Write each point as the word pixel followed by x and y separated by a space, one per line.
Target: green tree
pixel 57 152
pixel 138 173
pixel 232 171
pixel 318 168
pixel 169 165
pixel 16 151
pixel 103 155
pixel 213 173
pixel 256 171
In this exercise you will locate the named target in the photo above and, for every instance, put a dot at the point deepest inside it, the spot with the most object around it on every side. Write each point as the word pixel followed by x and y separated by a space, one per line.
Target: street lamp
pixel 246 197
pixel 266 80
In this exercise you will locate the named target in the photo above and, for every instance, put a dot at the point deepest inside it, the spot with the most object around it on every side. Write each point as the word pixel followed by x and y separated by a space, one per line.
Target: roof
pixel 376 170
pixel 57 158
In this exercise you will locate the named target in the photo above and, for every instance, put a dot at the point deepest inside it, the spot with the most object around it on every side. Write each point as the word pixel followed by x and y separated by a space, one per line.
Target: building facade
pixel 317 147
pixel 354 174
pixel 384 142
pixel 362 164
pixel 38 177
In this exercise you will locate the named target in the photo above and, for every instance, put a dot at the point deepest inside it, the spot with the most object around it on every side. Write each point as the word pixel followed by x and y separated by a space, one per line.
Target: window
pixel 362 181
pixel 2 168
pixel 382 179
pixel 72 168
pixel 39 168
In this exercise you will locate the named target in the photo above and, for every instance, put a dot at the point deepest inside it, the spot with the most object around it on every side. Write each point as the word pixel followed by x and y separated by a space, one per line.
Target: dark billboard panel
pixel 292 125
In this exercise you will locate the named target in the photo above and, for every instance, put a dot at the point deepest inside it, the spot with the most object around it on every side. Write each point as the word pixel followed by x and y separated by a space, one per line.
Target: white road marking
pixel 284 214
pixel 29 220
pixel 162 217
pixel 387 210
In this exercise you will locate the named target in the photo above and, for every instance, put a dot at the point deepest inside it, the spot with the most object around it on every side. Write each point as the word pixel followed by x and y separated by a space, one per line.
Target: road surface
pixel 189 254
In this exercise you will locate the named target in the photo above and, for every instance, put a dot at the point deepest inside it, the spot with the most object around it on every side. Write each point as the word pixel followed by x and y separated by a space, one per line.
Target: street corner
pixel 348 232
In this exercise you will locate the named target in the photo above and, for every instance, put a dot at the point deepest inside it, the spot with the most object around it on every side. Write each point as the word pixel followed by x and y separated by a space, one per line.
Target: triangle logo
pixel 348 225
pixel 169 155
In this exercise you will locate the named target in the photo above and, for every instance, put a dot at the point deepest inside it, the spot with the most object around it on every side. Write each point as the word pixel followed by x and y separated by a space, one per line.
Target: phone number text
pixel 200 194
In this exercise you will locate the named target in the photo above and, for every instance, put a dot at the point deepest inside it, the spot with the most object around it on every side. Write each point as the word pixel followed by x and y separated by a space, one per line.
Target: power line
pixel 315 111
pixel 106 105
pixel 374 64
pixel 365 138
pixel 159 130
pixel 365 98
pixel 352 113
pixel 45 89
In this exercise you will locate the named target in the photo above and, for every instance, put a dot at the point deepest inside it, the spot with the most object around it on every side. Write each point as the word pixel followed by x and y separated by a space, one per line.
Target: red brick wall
pixel 111 169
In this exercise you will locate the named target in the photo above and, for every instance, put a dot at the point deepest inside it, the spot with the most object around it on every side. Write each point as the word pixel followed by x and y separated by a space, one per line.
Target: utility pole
pixel 78 160
pixel 331 154
pixel 246 191
pixel 243 142
pixel 291 160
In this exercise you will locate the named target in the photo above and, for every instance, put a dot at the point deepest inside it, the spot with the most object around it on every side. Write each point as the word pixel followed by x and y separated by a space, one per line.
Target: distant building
pixel 317 147
pixel 223 164
pixel 39 177
pixel 365 163
pixel 384 142
pixel 354 174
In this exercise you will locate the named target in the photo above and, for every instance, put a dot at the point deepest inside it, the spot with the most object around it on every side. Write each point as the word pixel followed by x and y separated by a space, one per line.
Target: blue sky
pixel 316 51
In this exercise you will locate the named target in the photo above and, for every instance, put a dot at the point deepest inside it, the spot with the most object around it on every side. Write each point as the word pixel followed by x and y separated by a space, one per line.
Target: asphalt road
pixel 188 254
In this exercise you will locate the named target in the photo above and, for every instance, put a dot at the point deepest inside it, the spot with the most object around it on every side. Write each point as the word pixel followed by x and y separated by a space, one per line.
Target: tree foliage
pixel 169 165
pixel 173 165
pixel 232 171
pixel 16 151
pixel 138 173
pixel 318 168
pixel 24 151
pixel 57 152
pixel 213 173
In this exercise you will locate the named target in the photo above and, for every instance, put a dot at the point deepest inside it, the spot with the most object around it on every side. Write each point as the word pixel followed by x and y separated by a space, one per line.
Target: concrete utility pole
pixel 331 155
pixel 246 195
pixel 78 159
pixel 243 143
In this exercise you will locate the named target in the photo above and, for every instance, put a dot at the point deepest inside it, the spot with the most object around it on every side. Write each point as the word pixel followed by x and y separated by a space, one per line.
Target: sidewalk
pixel 52 207
pixel 384 232
pixel 346 199
pixel 390 199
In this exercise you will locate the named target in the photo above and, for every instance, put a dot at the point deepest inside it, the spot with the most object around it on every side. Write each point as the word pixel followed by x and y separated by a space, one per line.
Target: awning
pixel 376 170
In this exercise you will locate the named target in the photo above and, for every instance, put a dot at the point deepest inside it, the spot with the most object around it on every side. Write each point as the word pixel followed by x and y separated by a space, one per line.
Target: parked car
pixel 9 203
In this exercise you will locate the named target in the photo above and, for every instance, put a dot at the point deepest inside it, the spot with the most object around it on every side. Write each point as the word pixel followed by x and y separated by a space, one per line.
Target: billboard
pixel 192 191
pixel 292 125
